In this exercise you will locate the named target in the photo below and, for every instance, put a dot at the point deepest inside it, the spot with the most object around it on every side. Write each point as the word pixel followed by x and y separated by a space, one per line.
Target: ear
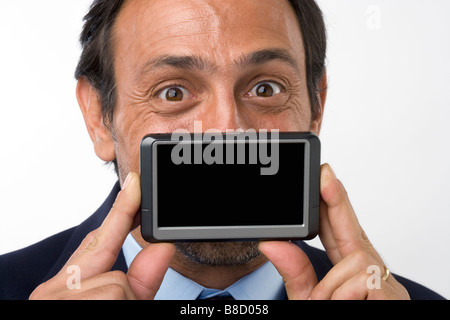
pixel 91 108
pixel 316 123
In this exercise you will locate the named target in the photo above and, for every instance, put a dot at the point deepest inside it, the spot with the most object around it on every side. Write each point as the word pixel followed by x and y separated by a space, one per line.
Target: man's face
pixel 230 64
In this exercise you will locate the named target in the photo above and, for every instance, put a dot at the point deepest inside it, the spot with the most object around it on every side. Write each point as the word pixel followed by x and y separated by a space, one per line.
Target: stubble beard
pixel 219 253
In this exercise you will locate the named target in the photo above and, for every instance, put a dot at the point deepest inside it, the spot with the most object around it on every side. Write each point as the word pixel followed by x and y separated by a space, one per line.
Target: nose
pixel 223 113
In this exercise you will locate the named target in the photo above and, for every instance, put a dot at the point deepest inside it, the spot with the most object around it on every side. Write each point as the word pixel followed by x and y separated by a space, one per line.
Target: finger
pixel 99 251
pixel 348 236
pixel 148 269
pixel 326 234
pixel 354 288
pixel 293 265
pixel 363 287
pixel 107 292
pixel 116 278
pixel 360 287
pixel 340 273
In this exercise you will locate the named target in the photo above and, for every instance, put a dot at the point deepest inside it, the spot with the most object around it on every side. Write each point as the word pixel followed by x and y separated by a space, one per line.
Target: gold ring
pixel 386 273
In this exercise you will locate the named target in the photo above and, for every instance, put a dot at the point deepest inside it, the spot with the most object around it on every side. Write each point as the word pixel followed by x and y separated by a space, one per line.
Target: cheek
pixel 284 124
pixel 131 124
pixel 129 129
pixel 295 117
pixel 300 115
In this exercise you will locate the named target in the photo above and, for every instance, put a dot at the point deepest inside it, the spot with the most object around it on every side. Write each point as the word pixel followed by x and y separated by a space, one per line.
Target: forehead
pixel 221 30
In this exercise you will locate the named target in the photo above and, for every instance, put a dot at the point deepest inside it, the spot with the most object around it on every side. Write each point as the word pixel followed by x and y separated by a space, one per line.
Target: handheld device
pixel 230 186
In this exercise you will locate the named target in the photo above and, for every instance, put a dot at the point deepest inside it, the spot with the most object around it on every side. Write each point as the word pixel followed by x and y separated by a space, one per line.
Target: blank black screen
pixel 200 195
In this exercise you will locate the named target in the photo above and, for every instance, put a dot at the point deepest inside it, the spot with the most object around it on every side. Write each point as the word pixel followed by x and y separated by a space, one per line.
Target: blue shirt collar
pixel 265 283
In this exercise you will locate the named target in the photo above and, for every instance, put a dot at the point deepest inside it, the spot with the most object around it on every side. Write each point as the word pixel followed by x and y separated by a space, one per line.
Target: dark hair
pixel 312 27
pixel 96 63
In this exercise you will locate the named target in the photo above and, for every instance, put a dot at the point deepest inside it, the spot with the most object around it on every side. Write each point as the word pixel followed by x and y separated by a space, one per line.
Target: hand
pixel 98 252
pixel 348 248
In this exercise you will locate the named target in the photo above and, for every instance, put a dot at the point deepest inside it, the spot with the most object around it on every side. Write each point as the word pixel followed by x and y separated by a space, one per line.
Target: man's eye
pixel 174 94
pixel 265 90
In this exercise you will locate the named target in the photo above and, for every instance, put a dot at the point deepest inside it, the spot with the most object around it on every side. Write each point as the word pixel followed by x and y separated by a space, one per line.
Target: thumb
pixel 293 265
pixel 147 270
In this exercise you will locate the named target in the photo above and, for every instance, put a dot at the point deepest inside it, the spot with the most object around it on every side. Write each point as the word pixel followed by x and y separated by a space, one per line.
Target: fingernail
pixel 127 180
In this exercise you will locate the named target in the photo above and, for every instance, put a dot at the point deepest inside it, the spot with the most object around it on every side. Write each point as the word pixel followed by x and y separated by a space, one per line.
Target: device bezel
pixel 149 216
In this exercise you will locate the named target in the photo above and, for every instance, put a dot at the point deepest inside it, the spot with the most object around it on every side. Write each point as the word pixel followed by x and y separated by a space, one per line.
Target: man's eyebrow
pixel 268 55
pixel 179 62
pixel 183 62
pixel 197 63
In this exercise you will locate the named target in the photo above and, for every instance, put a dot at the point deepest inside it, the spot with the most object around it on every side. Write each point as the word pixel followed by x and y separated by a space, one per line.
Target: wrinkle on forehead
pixel 146 25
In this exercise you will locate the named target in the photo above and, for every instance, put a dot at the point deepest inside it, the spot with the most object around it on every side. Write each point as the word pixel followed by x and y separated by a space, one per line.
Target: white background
pixel 385 130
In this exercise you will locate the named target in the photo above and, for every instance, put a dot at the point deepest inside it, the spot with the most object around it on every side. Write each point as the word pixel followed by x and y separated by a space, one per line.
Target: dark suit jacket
pixel 23 270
